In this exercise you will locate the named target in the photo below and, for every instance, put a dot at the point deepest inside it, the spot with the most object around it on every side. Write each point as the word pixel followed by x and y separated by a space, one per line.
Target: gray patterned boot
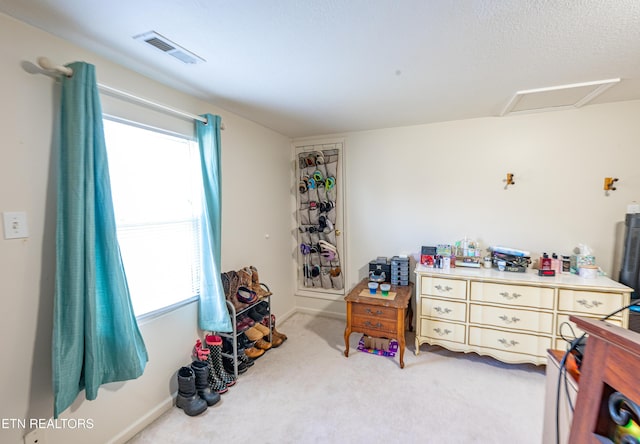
pixel 214 344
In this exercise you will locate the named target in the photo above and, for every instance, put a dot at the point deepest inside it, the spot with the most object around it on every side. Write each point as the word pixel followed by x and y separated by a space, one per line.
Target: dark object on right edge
pixel 630 269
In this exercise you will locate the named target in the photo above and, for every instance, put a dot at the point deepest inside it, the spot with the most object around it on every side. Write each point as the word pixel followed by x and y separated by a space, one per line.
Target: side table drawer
pixel 377 324
pixel 444 331
pixel 449 288
pixel 443 309
pixel 591 302
pixel 375 311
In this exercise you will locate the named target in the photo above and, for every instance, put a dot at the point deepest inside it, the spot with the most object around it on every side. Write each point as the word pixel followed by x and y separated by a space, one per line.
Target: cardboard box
pixel 577 260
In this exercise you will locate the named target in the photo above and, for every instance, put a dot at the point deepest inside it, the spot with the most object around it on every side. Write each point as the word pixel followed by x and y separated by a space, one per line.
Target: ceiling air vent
pixel 168 47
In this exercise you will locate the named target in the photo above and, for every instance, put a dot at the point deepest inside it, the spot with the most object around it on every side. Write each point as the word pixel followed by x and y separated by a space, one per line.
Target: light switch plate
pixel 15 225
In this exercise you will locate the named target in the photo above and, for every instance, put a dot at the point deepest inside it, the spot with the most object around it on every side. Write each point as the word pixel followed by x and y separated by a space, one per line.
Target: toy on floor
pixel 378 346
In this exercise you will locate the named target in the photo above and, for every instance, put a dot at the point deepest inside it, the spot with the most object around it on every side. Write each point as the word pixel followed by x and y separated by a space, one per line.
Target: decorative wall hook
pixel 609 182
pixel 509 180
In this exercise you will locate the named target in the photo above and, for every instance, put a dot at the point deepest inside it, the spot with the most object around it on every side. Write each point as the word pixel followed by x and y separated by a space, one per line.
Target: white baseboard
pixel 286 316
pixel 143 422
pixel 325 313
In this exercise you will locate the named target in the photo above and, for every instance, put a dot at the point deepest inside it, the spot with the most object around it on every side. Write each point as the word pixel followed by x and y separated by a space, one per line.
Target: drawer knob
pixel 378 312
pixel 506 295
pixel 586 303
pixel 444 332
pixel 509 320
pixel 508 344
pixel 369 324
pixel 442 310
pixel 441 288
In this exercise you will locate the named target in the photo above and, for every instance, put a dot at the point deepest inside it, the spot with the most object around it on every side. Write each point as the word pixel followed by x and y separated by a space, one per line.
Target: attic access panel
pixel 556 97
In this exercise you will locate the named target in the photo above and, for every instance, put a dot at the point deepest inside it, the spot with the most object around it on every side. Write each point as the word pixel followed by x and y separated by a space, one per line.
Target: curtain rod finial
pixel 47 64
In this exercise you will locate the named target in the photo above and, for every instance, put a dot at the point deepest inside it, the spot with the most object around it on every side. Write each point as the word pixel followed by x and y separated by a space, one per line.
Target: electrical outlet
pixel 35 436
pixel 15 225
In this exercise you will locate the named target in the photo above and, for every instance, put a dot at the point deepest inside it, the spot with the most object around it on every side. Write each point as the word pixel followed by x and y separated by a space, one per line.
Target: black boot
pixel 188 399
pixel 201 370
pixel 227 347
pixel 246 360
pixel 228 365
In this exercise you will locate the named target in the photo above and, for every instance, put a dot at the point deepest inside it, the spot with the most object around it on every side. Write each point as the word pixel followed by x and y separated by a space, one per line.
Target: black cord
pixel 573 333
pixel 563 363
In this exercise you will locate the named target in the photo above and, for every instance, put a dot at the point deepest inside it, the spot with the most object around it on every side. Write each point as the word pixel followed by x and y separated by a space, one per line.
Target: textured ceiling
pixel 310 67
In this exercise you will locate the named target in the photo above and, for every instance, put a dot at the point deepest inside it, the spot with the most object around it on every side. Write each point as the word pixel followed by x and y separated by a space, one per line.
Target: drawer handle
pixel 378 312
pixel 441 288
pixel 442 310
pixel 509 320
pixel 586 303
pixel 508 344
pixel 506 295
pixel 369 324
pixel 444 332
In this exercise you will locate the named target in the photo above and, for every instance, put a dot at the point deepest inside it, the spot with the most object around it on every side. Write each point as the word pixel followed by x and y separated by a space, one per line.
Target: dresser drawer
pixel 569 333
pixel 590 302
pixel 374 311
pixel 440 330
pixel 511 318
pixel 444 309
pixel 449 288
pixel 516 295
pixel 509 341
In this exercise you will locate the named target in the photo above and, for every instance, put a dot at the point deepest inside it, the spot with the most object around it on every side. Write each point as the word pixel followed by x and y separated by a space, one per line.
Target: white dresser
pixel 513 317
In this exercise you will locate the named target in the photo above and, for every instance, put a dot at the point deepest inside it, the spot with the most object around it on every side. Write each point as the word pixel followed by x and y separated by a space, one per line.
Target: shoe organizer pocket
pixel 332 215
pixel 312 194
pixel 314 216
pixel 304 198
pixel 304 216
pixel 337 281
pixel 331 169
pixel 329 237
pixel 326 279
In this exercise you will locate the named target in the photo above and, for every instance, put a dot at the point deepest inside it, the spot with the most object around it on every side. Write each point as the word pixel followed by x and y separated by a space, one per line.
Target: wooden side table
pixel 376 316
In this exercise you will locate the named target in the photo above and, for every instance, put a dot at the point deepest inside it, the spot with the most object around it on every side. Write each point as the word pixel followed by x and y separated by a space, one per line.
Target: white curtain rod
pixel 47 65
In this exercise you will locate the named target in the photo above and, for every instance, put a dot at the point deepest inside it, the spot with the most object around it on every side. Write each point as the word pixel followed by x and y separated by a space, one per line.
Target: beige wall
pixel 436 183
pixel 256 202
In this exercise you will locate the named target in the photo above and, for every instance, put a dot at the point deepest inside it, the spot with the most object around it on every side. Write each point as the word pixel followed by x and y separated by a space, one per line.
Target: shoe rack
pixel 233 336
pixel 319 218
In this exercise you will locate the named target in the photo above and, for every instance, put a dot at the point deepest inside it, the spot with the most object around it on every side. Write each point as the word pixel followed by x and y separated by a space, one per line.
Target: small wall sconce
pixel 509 180
pixel 608 184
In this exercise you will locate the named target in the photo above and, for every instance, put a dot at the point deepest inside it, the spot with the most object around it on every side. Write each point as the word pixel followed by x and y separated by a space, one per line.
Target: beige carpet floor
pixel 306 391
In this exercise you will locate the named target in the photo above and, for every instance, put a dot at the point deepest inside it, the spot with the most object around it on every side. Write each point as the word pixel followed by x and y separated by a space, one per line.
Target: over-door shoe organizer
pixel 317 199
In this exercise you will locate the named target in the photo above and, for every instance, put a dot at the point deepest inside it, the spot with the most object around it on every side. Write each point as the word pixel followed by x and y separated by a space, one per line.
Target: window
pixel 156 185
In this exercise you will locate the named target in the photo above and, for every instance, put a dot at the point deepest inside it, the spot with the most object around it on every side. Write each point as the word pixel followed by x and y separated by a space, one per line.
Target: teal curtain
pixel 95 335
pixel 212 310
